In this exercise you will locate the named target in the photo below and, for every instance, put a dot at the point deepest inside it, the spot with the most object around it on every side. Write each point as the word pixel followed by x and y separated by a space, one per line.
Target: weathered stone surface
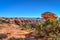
pixel 11 31
pixel 47 15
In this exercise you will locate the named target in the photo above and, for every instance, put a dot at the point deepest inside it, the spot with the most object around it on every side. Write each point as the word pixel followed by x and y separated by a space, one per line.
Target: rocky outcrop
pixel 18 21
pixel 10 26
pixel 47 15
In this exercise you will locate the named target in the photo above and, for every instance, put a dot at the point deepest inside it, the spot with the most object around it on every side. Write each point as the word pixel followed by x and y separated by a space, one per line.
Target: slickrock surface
pixel 11 31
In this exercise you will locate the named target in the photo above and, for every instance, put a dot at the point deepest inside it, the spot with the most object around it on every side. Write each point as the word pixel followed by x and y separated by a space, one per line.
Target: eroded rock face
pixel 9 26
pixel 18 21
pixel 48 15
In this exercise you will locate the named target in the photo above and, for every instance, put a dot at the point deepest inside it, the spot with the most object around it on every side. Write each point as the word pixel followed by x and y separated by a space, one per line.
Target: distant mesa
pixel 47 15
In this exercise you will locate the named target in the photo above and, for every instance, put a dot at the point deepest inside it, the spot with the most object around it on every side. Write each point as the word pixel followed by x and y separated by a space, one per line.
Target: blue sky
pixel 28 8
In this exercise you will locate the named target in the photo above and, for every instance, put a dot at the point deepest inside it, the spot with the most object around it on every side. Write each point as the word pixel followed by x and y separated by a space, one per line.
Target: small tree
pixel 51 27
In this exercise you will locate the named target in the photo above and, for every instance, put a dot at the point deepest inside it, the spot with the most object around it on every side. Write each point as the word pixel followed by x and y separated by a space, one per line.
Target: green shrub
pixel 13 38
pixel 28 25
pixel 3 35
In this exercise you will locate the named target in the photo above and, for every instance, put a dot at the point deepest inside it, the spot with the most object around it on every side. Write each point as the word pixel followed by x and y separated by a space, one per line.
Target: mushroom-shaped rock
pixel 47 15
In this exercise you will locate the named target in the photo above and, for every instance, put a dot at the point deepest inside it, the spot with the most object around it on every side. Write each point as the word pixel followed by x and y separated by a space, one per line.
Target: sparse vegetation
pixel 50 29
pixel 3 35
pixel 28 25
pixel 13 38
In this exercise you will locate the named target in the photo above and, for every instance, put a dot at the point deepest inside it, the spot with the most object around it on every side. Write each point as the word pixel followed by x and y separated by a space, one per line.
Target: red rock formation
pixel 48 15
